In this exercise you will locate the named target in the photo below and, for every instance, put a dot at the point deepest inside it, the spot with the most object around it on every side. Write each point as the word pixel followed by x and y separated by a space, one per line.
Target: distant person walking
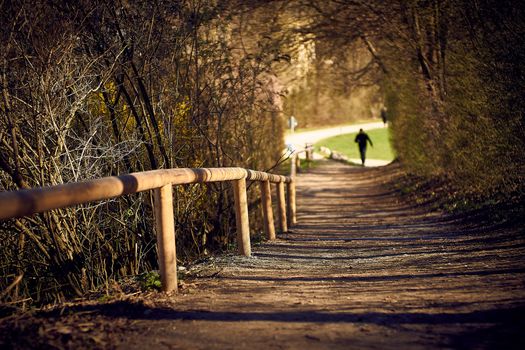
pixel 361 138
pixel 383 115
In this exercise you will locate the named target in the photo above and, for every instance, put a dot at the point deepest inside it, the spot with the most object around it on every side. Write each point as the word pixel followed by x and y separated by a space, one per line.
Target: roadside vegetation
pixel 96 88
pixel 449 75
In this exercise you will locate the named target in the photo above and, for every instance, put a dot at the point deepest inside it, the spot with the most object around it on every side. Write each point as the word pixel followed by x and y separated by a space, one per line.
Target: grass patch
pixel 150 281
pixel 345 144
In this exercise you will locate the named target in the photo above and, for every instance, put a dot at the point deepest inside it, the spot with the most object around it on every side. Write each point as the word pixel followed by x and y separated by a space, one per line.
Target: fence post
pixel 293 165
pixel 309 152
pixel 290 189
pixel 241 217
pixel 281 204
pixel 266 199
pixel 163 207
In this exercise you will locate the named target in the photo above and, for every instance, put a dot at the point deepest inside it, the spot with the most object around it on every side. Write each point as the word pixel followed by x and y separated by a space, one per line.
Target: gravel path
pixel 362 270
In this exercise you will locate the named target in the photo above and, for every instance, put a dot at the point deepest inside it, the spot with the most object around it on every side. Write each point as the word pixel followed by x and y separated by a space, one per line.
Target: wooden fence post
pixel 163 207
pixel 281 204
pixel 266 199
pixel 309 152
pixel 290 188
pixel 241 217
pixel 293 165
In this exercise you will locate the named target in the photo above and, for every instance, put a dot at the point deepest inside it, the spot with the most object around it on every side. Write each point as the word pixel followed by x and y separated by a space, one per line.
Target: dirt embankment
pixel 363 269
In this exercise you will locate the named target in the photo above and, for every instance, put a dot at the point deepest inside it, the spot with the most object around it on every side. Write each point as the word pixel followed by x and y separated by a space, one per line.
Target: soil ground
pixel 363 269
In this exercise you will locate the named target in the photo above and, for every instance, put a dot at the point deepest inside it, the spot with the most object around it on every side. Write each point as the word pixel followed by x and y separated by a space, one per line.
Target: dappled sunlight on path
pixel 362 269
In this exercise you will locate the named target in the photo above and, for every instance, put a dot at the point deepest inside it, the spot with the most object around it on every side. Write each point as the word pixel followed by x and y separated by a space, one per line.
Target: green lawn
pixel 345 144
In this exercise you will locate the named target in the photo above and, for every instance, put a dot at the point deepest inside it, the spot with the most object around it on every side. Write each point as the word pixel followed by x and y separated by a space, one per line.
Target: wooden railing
pixel 28 202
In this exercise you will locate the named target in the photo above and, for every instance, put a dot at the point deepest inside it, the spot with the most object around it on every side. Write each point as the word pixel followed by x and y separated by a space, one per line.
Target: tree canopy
pixel 98 88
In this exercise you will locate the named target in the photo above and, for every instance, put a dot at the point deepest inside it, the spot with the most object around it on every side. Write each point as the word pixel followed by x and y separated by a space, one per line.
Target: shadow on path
pixel 130 310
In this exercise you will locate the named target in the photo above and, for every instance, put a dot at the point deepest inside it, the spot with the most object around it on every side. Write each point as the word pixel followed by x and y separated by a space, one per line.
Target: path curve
pixel 299 139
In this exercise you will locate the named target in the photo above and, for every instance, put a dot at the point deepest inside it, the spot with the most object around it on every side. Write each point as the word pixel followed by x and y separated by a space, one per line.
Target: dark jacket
pixel 361 139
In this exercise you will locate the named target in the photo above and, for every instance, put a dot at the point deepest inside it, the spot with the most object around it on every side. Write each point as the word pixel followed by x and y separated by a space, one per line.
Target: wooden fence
pixel 28 202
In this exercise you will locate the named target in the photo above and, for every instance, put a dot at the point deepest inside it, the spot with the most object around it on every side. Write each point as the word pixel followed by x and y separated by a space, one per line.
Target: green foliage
pixel 463 122
pixel 150 281
pixel 450 74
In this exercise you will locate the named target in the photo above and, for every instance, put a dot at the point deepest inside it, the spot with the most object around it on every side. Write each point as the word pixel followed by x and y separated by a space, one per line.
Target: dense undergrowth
pixel 450 76
pixel 502 209
pixel 461 120
pixel 97 88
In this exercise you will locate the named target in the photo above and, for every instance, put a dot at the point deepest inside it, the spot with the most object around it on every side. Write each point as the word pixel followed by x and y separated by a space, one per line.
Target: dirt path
pixel 361 271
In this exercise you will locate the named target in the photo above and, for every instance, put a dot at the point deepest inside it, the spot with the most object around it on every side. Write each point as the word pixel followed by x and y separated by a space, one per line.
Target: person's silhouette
pixel 361 138
pixel 384 116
